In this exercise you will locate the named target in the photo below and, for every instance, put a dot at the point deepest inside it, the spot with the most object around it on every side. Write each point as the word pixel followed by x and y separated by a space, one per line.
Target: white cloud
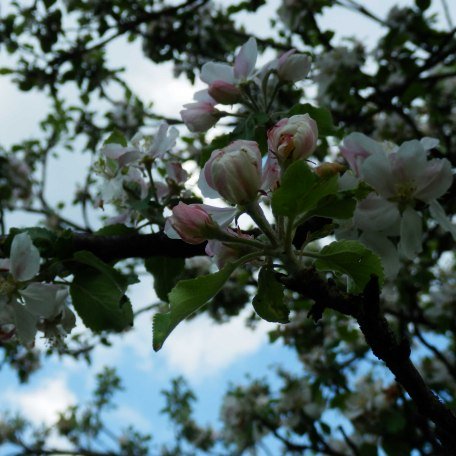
pixel 41 403
pixel 128 416
pixel 201 348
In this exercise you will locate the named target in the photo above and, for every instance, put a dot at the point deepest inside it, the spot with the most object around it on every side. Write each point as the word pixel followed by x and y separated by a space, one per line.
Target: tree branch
pixel 395 353
pixel 110 248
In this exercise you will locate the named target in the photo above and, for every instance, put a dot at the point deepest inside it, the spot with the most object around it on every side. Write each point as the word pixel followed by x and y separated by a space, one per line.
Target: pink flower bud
pixel 224 92
pixel 192 223
pixel 235 171
pixel 200 115
pixel 294 138
pixel 293 67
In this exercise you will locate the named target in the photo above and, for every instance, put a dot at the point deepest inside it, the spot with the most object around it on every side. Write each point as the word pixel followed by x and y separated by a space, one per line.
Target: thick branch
pixel 381 339
pixel 110 248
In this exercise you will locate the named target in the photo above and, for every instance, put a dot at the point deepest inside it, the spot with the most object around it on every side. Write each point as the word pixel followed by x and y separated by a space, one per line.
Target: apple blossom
pixel 191 222
pixel 186 217
pixel 25 307
pixel 224 93
pixel 400 177
pixel 223 78
pixel 292 67
pixel 235 171
pixel 118 156
pixel 113 190
pixel 202 114
pixel 293 138
pixel 155 146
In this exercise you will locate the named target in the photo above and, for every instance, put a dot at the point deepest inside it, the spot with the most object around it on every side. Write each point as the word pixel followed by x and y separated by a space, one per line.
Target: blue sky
pixel 209 356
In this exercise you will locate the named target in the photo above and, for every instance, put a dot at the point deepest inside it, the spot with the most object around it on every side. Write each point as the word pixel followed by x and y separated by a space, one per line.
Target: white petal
pixel 207 191
pixel 204 97
pixel 170 231
pixel 25 323
pixel 409 162
pixel 348 181
pixel 374 213
pixel 44 299
pixel 429 143
pixel 385 249
pixel 411 234
pixel 246 59
pixel 24 258
pixel 223 216
pixel 434 181
pixel 376 171
pixel 164 140
pixel 214 71
pixel 439 215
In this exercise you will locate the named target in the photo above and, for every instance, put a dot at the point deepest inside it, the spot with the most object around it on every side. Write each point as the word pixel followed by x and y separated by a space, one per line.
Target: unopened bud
pixel 293 67
pixel 293 138
pixel 193 224
pixel 224 92
pixel 235 172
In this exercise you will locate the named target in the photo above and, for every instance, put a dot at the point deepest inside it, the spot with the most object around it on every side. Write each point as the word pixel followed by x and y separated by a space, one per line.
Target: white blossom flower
pixel 25 307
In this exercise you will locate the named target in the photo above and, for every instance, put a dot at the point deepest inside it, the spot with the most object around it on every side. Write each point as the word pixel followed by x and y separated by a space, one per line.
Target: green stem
pixel 227 238
pixel 310 254
pixel 257 214
pixel 274 93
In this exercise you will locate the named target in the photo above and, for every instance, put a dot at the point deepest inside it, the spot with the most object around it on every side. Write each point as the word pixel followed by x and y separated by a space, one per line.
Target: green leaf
pixel 353 259
pixel 337 206
pixel 98 294
pixel 301 190
pixel 117 137
pixel 187 297
pixel 268 303
pixel 166 272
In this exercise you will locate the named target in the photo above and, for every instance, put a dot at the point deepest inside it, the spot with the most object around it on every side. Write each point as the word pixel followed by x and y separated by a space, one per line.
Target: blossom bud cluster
pixel 227 84
pixel 236 173
pixel 26 304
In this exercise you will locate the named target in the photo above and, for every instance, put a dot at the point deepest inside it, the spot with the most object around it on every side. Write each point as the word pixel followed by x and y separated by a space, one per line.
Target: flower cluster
pixel 128 172
pixel 405 182
pixel 240 82
pixel 26 305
